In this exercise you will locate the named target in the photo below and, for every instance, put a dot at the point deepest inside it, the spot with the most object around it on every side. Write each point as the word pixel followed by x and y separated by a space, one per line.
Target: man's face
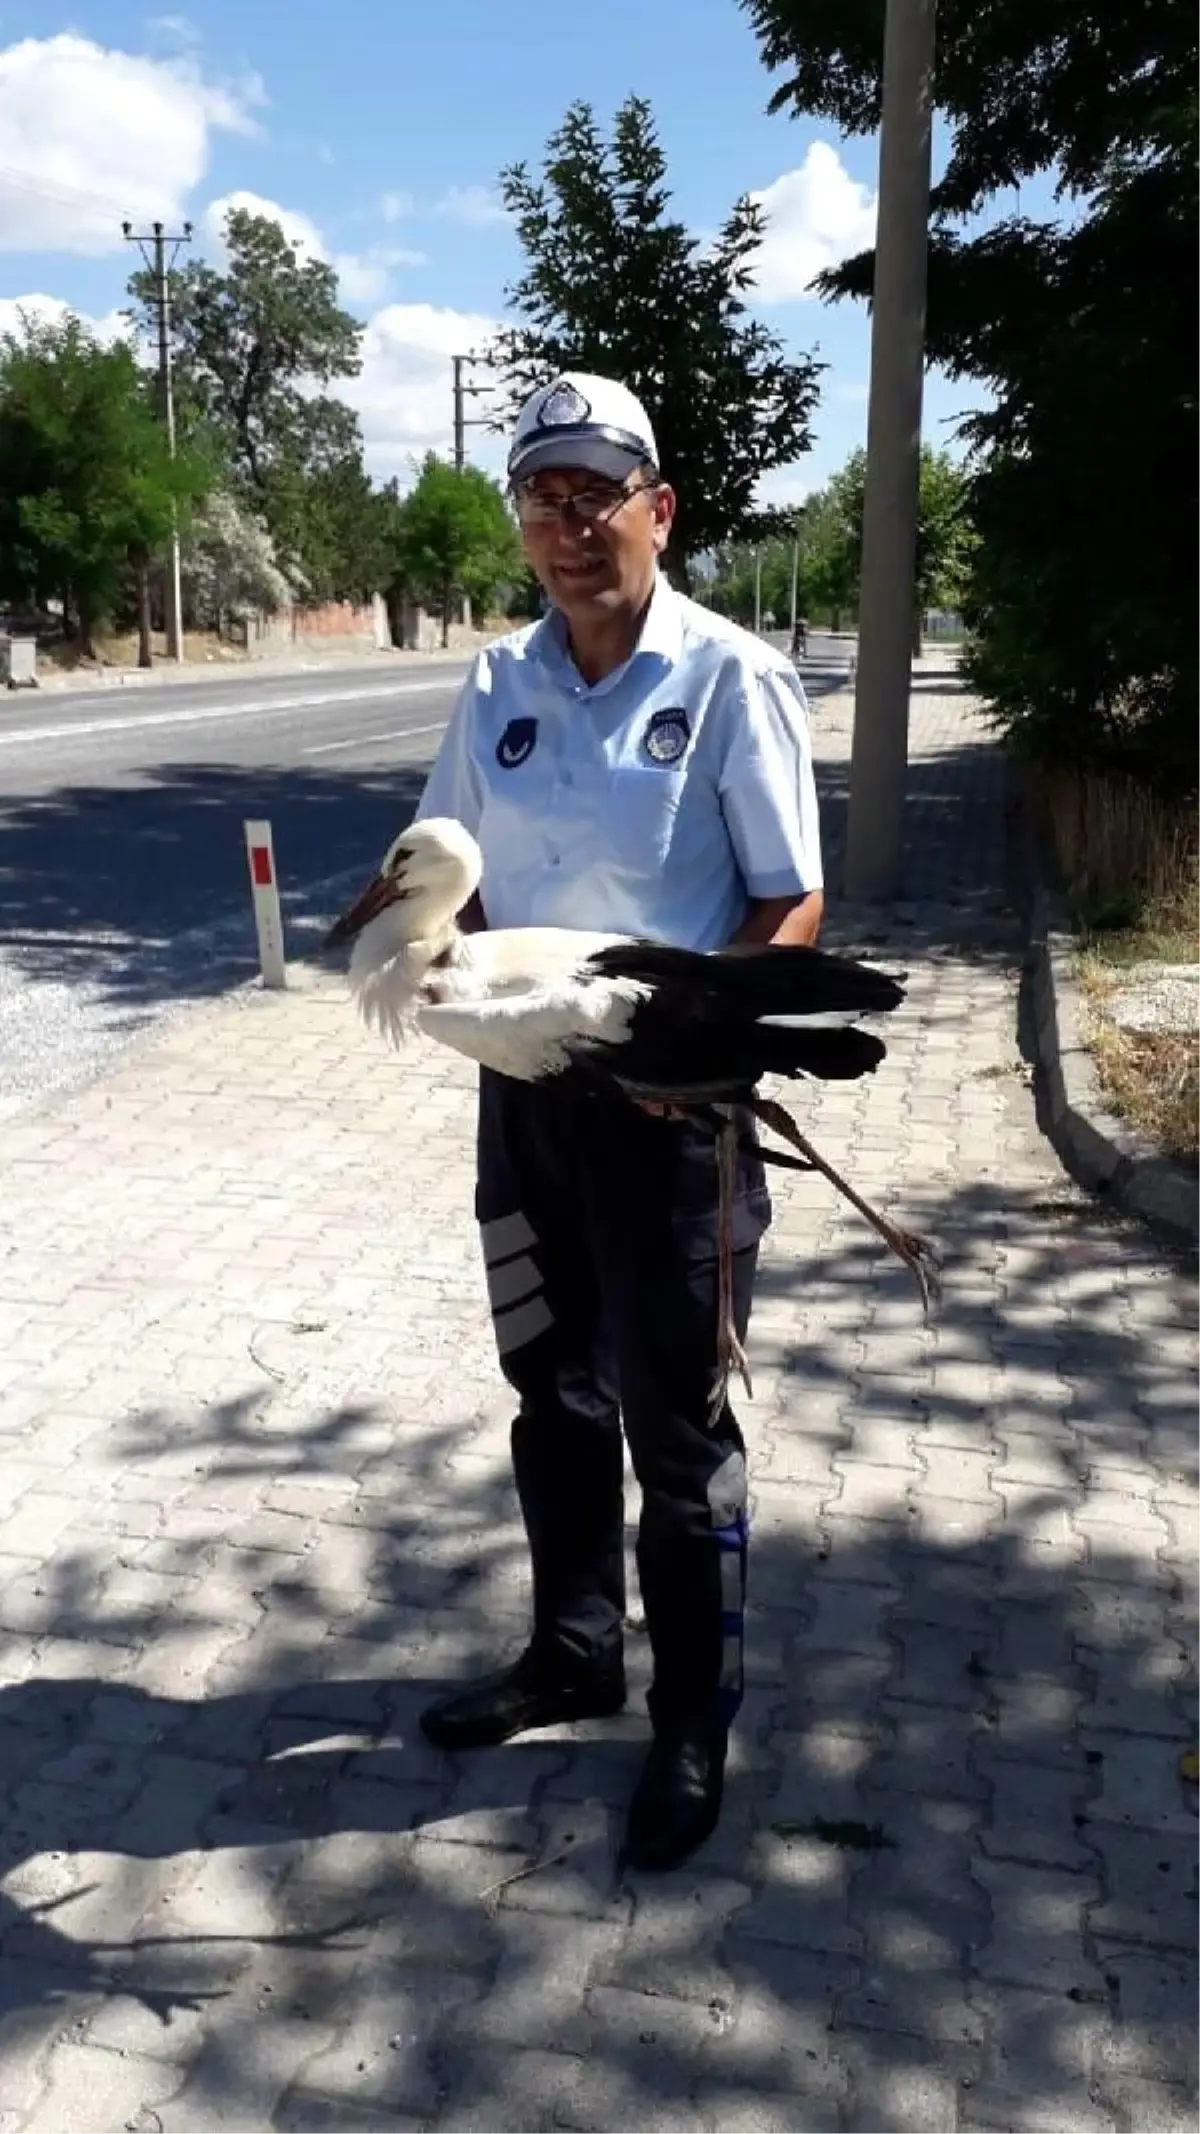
pixel 594 543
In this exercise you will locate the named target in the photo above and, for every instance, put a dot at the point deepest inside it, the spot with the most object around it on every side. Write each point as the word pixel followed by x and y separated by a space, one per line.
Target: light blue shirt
pixel 656 802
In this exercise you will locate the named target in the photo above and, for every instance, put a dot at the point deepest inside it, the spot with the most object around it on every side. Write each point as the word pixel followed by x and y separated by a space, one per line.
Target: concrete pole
pixel 174 584
pixel 460 443
pixel 757 591
pixel 157 239
pixel 879 755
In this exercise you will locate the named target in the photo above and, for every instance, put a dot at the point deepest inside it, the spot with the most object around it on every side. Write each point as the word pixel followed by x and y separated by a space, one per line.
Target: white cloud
pixel 405 394
pixel 783 487
pixel 93 135
pixel 476 204
pixel 111 326
pixel 177 29
pixel 395 206
pixel 299 229
pixel 362 276
pixel 816 216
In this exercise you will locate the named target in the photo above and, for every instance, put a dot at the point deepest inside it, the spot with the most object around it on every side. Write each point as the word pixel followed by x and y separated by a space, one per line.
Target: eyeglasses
pixel 590 506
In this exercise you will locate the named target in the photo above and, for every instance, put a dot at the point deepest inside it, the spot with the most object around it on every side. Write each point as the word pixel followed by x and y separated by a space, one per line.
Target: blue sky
pixel 378 132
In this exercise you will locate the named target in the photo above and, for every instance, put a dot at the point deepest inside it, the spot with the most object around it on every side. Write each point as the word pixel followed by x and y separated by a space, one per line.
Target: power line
pixel 62 195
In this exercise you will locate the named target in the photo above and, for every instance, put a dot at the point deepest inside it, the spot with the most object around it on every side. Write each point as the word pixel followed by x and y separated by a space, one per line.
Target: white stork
pixel 631 1019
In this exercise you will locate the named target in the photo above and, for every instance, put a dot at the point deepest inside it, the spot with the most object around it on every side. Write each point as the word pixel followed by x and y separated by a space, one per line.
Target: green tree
pixel 1024 86
pixel 1083 329
pixel 88 488
pixel 614 284
pixel 256 343
pixel 453 535
pixel 829 530
pixel 229 567
pixel 944 538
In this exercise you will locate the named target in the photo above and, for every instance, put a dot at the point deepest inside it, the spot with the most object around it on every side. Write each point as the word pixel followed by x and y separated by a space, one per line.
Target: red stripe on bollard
pixel 260 866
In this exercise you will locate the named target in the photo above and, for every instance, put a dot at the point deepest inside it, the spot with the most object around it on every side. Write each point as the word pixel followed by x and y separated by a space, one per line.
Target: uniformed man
pixel 631 764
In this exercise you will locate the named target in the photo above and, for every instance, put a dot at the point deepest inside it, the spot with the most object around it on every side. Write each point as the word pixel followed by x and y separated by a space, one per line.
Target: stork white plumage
pixel 634 1020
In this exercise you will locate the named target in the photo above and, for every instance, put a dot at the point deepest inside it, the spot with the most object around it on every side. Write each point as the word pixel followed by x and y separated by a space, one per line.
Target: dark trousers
pixel 599 1233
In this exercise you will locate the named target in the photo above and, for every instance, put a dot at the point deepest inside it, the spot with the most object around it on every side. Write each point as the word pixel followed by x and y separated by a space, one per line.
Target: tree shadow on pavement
pixel 954 1881
pixel 140 891
pixel 143 892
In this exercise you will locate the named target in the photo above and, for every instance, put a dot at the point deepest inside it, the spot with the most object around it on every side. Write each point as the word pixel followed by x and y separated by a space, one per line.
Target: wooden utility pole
pixel 153 244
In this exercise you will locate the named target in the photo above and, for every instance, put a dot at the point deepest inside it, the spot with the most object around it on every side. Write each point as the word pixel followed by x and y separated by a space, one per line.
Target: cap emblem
pixel 562 404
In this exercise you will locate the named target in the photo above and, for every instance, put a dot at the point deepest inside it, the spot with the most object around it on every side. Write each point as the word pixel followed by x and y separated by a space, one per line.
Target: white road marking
pixel 201 714
pixel 397 733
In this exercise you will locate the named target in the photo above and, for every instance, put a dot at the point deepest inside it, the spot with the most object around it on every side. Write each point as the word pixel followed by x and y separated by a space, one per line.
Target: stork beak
pixel 378 895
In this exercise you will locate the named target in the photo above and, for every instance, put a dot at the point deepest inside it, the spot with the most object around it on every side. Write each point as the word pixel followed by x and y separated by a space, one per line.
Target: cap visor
pixel 596 454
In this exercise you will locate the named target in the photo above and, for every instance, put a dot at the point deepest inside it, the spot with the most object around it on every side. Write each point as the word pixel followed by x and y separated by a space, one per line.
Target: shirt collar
pixel 661 635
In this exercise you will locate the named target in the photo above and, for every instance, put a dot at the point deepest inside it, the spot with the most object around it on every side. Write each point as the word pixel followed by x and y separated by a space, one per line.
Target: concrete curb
pixel 164 676
pixel 1097 1148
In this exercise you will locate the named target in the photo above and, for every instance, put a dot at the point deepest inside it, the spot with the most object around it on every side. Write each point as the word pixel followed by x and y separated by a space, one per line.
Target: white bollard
pixel 268 917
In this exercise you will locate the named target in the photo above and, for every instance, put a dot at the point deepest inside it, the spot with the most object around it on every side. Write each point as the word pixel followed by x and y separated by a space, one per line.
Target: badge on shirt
pixel 667 736
pixel 516 743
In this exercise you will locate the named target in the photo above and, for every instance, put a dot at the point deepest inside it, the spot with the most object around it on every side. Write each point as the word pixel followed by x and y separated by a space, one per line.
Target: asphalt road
pixel 123 884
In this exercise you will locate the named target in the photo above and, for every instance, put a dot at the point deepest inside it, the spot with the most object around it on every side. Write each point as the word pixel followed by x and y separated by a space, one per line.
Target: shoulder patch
pixel 516 743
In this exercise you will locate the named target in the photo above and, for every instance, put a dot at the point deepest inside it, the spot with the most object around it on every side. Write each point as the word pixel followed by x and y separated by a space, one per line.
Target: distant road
pixel 123 887
pixel 122 865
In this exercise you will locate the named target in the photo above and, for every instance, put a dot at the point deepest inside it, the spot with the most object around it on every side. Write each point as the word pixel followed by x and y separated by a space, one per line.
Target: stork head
pixel 431 870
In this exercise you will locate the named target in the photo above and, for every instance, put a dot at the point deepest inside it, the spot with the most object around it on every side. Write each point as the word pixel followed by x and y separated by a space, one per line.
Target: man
pixel 635 765
pixel 800 637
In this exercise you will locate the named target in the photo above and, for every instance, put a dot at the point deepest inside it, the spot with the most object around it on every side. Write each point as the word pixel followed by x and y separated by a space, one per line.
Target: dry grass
pixel 1128 857
pixel 200 648
pixel 1150 1078
pixel 1129 860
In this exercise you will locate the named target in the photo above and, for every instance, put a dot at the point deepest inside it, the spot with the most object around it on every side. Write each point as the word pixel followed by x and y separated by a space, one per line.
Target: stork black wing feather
pixel 748 983
pixel 665 1055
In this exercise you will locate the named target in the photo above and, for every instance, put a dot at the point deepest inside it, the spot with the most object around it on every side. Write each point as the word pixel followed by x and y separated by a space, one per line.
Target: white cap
pixel 582 421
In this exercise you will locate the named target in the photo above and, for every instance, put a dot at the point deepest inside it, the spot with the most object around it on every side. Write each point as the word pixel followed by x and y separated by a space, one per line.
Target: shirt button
pixel 568 778
pixel 553 859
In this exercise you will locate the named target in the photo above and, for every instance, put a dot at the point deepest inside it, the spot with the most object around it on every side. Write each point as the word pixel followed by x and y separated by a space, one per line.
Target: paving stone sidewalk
pixel 255 1509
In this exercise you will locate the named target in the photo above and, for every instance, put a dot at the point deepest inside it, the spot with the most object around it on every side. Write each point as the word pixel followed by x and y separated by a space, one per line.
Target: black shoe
pixel 525 1695
pixel 677 1800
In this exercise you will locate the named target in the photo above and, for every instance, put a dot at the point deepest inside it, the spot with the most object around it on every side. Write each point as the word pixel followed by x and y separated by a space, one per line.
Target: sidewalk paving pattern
pixel 256 1509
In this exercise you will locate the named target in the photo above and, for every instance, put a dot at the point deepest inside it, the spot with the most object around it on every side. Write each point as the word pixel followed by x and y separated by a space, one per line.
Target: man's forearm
pixel 782 922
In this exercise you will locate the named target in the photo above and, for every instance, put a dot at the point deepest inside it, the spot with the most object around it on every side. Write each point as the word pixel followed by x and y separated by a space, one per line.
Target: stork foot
pixel 919 1254
pixel 730 1355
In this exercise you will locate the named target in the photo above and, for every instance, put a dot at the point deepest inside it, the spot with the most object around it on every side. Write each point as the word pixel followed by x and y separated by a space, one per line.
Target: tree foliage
pixel 829 530
pixel 228 564
pixel 88 489
pixel 614 284
pixel 453 535
pixel 257 341
pixel 1083 329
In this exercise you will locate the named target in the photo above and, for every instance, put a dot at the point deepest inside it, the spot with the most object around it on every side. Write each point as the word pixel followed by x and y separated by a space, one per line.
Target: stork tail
pixel 919 1254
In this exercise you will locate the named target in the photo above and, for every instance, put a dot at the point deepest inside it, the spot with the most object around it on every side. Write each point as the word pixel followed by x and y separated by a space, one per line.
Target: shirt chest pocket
pixel 643 811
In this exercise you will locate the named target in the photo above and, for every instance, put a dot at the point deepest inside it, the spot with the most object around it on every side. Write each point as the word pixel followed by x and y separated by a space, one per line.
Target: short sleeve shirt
pixel 656 802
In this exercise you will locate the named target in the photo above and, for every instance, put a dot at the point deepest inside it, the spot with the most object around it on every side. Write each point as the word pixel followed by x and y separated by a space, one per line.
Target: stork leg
pixel 919 1254
pixel 729 1347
